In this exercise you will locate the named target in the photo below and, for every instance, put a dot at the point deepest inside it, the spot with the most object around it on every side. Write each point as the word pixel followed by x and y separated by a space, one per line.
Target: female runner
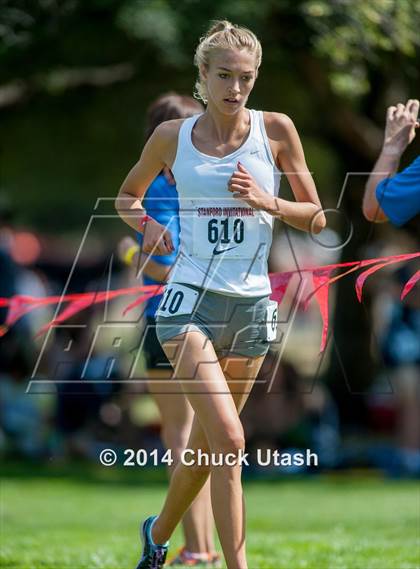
pixel 213 320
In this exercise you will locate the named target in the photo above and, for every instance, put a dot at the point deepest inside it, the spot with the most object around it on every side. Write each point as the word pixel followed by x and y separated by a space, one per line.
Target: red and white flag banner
pixel 322 278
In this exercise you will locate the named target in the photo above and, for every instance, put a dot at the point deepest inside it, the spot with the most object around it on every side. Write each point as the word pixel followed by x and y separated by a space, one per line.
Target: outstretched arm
pixel 401 122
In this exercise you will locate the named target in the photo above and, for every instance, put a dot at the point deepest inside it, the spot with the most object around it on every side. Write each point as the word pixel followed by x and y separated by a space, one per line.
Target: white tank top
pixel 224 243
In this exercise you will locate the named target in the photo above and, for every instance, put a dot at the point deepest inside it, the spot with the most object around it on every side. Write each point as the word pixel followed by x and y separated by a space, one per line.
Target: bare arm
pixel 154 270
pixel 141 175
pixel 306 212
pixel 158 152
pixel 401 122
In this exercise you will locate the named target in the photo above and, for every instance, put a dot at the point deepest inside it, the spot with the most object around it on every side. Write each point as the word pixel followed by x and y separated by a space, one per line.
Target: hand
pixel 127 249
pixel 157 239
pixel 247 189
pixel 401 122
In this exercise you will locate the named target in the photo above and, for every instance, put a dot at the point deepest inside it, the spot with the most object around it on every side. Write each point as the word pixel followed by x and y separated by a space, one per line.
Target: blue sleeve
pixel 161 203
pixel 399 196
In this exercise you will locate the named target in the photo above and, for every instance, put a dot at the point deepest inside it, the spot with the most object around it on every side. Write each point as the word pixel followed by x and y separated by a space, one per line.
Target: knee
pixel 197 462
pixel 175 439
pixel 231 440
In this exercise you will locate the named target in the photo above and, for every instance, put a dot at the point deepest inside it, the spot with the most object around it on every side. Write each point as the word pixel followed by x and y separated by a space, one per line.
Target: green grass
pixel 88 519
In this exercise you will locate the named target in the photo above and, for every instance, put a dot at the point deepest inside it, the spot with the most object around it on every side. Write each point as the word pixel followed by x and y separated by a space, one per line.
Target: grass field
pixel 89 519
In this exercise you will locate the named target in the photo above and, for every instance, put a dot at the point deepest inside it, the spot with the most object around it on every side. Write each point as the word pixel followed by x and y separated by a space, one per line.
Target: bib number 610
pixel 214 231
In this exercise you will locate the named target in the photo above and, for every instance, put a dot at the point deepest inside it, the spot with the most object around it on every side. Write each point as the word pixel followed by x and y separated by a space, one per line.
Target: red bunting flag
pixel 410 284
pixel 20 305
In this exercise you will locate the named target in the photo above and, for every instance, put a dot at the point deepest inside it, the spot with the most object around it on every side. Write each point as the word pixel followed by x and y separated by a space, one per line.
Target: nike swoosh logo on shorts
pixel 216 252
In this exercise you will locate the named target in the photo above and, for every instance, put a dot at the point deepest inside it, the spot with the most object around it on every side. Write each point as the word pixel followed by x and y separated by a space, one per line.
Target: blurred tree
pixel 355 55
pixel 350 41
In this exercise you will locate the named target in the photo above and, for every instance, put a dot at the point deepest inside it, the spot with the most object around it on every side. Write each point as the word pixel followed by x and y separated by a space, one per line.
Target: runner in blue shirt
pixel 161 203
pixel 389 195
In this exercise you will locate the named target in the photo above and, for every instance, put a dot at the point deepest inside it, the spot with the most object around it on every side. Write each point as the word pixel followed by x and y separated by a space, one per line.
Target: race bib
pixel 271 320
pixel 226 231
pixel 177 300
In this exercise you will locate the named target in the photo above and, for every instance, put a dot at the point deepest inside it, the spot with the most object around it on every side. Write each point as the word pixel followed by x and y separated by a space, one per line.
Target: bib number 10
pixel 177 299
pixel 171 302
pixel 218 231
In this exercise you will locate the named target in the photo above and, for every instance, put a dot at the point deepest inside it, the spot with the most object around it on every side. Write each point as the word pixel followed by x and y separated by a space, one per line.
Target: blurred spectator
pixel 8 268
pixel 397 198
pixel 8 275
pixel 400 346
pixel 286 411
pixel 85 390
pixel 24 417
pixel 17 276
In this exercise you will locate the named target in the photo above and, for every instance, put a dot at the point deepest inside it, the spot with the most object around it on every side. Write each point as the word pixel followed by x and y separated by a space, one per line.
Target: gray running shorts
pixel 235 325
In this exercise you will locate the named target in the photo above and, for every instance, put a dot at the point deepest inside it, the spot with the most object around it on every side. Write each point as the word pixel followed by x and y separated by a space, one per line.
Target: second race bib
pixel 176 300
pixel 271 320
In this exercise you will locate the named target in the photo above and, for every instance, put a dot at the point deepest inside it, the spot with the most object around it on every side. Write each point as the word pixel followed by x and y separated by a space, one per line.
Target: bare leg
pixel 216 428
pixel 177 417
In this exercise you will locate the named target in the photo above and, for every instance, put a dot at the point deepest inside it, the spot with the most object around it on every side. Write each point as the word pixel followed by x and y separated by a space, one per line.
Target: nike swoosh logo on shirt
pixel 217 252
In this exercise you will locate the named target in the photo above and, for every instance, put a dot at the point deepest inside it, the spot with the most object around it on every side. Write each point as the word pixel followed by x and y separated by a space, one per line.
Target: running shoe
pixel 186 559
pixel 153 555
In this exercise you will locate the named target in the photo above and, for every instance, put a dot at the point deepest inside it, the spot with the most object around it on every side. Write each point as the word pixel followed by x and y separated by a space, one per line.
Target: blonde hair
pixel 223 35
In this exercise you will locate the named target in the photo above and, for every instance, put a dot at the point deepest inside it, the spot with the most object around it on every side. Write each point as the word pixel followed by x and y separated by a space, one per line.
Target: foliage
pixel 350 36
